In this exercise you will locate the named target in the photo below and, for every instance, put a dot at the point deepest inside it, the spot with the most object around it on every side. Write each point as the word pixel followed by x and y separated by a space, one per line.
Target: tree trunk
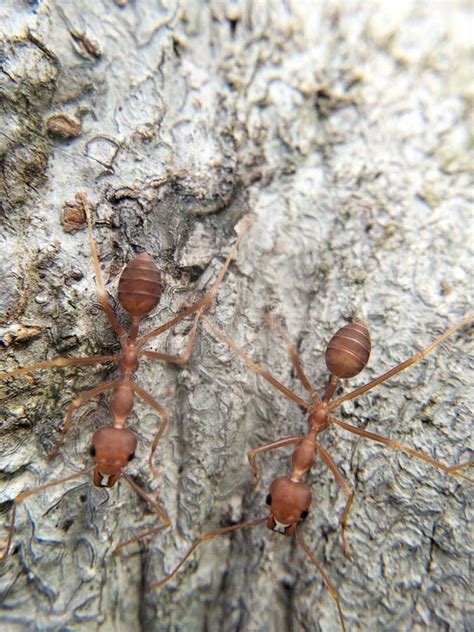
pixel 343 130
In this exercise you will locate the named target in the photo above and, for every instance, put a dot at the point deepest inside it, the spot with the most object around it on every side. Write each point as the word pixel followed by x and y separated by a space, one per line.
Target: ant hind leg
pixel 453 469
pixel 294 357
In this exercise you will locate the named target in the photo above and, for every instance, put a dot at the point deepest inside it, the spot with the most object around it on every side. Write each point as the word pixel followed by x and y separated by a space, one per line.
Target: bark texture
pixel 342 128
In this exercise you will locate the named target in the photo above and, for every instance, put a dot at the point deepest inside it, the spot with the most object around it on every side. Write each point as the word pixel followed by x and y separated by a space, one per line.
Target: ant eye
pixel 268 499
pixel 131 456
pixel 304 514
pixel 92 450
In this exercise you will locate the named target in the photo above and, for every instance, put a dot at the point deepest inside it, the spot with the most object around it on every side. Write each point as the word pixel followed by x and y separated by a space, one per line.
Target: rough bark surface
pixel 342 128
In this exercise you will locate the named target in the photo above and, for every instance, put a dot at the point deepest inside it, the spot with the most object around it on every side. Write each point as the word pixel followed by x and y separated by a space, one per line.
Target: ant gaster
pixel 113 447
pixel 289 498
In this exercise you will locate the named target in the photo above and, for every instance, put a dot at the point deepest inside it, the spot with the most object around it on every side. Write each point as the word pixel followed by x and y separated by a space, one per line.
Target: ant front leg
pixel 274 445
pixel 75 404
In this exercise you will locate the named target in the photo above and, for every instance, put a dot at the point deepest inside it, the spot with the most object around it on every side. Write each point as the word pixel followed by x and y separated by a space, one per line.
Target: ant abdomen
pixel 348 350
pixel 140 287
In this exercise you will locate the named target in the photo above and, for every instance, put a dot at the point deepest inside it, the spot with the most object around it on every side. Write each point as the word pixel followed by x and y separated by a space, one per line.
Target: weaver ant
pixel 113 447
pixel 289 498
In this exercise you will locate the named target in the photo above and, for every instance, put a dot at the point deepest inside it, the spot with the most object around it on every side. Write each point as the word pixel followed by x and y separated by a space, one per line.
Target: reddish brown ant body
pixel 289 498
pixel 112 447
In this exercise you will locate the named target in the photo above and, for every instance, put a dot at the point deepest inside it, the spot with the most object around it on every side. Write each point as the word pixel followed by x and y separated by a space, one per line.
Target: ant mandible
pixel 289 498
pixel 113 447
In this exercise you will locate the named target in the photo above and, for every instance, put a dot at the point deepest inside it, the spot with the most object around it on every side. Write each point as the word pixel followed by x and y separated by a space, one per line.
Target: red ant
pixel 113 447
pixel 289 498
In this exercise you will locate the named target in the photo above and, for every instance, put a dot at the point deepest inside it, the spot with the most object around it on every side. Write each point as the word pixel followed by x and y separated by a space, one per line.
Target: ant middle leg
pixel 59 363
pixel 347 491
pixel 165 420
pixel 218 333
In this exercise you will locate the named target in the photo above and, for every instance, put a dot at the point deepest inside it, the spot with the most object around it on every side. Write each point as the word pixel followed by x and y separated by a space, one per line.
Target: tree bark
pixel 343 130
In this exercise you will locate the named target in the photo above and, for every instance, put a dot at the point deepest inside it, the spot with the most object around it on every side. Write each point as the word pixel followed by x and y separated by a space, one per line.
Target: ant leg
pixel 274 445
pixel 165 420
pixel 177 359
pixel 75 404
pixel 140 536
pixel 330 586
pixel 461 466
pixel 218 333
pixel 205 302
pixel 398 446
pixel 21 497
pixel 162 515
pixel 347 491
pixel 294 357
pixel 101 293
pixel 403 365
pixel 205 538
pixel 59 362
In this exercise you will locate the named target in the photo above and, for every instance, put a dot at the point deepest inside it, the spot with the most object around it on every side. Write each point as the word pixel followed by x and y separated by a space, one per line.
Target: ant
pixel 289 498
pixel 113 447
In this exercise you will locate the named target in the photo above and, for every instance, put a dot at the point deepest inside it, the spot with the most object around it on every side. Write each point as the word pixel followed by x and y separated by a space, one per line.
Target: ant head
pixel 348 350
pixel 289 503
pixel 112 448
pixel 140 286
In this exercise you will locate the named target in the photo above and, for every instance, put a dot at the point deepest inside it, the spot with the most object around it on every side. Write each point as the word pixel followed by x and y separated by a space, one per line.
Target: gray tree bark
pixel 342 128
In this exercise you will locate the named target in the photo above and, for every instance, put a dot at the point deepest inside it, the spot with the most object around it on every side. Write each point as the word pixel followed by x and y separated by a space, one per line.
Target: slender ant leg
pixel 274 445
pixel 347 491
pixel 253 365
pixel 162 515
pixel 31 492
pixel 75 404
pixel 165 421
pixel 204 303
pixel 102 294
pixel 330 586
pixel 59 363
pixel 449 469
pixel 205 538
pixel 294 357
pixel 177 359
pixel 403 365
